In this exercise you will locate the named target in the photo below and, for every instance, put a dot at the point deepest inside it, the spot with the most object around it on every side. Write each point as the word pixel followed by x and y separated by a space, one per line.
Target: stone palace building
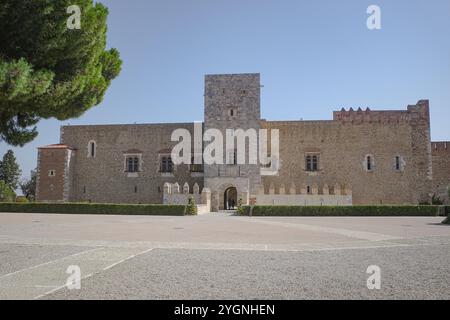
pixel 359 157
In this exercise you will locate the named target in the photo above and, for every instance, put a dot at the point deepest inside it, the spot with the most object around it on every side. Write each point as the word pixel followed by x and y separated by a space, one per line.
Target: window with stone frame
pixel 312 162
pixel 132 163
pixel 166 164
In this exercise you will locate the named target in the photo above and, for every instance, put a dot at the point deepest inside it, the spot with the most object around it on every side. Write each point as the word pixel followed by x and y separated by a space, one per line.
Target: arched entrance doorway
pixel 230 199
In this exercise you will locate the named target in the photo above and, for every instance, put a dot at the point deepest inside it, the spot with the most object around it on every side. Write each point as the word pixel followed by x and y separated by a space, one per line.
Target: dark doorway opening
pixel 230 199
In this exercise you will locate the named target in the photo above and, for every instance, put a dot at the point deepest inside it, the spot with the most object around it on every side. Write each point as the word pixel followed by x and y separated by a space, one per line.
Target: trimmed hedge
pixel 95 208
pixel 349 211
pixel 447 220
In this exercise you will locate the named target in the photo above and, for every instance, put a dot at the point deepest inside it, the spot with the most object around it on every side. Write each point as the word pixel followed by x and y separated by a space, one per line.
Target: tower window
pixel 397 163
pixel 369 163
pixel 232 112
pixel 51 173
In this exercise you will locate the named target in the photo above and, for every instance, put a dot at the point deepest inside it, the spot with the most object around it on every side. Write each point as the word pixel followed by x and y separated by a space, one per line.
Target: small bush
pixel 240 207
pixel 94 208
pixel 22 199
pixel 350 211
pixel 191 208
pixel 436 200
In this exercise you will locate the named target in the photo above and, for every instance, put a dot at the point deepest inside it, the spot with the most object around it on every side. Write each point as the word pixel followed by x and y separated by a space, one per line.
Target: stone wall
pixel 303 200
pixel 343 145
pixel 441 169
pixel 232 102
pixel 103 178
pixel 53 173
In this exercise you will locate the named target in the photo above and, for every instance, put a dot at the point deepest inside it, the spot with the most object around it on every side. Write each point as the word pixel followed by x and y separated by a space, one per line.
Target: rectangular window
pixel 132 164
pixel 397 163
pixel 312 163
pixel 166 164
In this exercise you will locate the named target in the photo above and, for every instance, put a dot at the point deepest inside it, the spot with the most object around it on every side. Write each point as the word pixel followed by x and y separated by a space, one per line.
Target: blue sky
pixel 314 57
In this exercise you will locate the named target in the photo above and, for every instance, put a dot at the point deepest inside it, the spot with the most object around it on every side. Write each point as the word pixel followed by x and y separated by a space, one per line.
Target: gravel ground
pixel 15 257
pixel 219 256
pixel 418 272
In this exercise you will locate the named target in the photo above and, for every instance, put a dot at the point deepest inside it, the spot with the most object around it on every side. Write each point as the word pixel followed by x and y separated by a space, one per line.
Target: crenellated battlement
pixel 440 148
pixel 420 110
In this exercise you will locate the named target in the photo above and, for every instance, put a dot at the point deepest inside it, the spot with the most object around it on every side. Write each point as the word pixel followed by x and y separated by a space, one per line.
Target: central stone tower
pixel 232 101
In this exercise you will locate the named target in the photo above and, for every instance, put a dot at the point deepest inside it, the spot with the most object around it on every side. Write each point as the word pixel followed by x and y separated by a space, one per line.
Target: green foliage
pixel 355 211
pixel 9 170
pixel 6 193
pixel 48 70
pixel 191 208
pixel 22 199
pixel 28 187
pixel 94 208
pixel 435 200
pixel 240 207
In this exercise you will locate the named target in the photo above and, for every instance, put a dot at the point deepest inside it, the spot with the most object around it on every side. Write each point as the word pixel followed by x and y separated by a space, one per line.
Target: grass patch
pixel 345 211
pixel 95 208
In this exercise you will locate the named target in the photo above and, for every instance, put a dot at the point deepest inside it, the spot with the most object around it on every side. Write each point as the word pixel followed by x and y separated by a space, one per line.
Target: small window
pixel 312 163
pixel 369 163
pixel 308 190
pixel 92 149
pixel 133 164
pixel 166 165
pixel 51 173
pixel 232 112
pixel 135 189
pixel 399 164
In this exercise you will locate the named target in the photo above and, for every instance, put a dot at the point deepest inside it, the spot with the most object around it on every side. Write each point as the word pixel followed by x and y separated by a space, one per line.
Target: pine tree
pixel 48 70
pixel 9 170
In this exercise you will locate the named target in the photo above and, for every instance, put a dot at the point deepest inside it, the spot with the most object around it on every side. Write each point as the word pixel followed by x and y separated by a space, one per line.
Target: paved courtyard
pixel 221 256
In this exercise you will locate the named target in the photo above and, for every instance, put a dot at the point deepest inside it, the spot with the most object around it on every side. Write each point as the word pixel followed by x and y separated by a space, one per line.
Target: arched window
pixel 92 149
